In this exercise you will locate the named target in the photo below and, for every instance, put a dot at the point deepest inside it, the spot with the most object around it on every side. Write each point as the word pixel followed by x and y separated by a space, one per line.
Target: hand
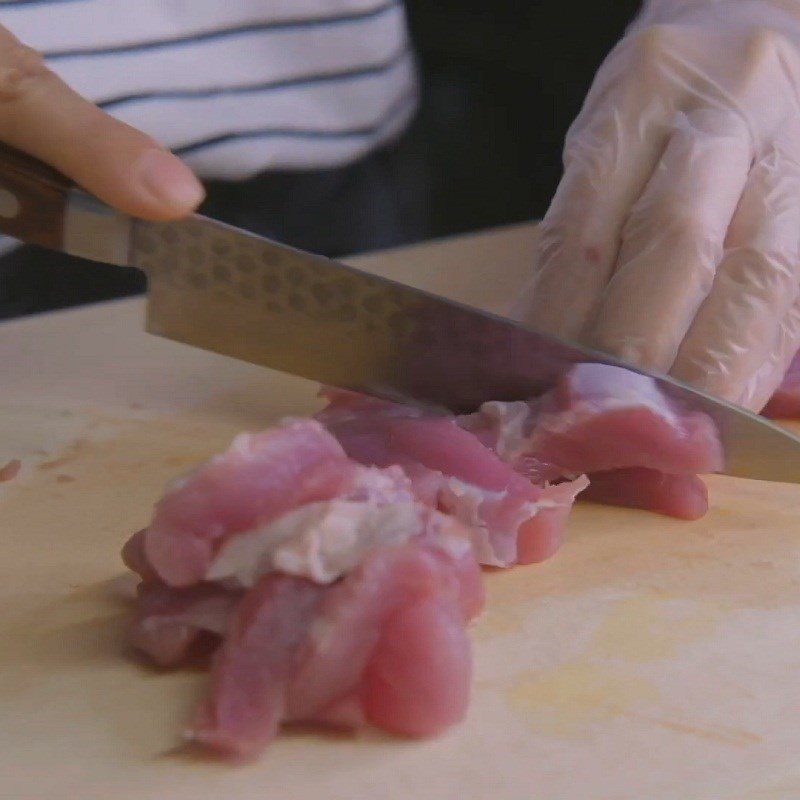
pixel 673 240
pixel 41 115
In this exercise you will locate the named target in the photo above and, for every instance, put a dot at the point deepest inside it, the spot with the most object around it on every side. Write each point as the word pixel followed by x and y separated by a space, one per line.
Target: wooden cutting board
pixel 650 659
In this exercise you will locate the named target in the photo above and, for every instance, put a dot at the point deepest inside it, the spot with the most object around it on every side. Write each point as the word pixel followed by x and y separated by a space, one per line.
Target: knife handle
pixel 33 199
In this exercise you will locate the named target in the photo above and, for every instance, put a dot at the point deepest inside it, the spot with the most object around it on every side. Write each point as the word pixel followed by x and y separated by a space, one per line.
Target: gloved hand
pixel 673 240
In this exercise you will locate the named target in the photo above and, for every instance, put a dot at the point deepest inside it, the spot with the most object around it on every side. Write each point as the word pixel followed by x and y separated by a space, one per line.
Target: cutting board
pixel 650 659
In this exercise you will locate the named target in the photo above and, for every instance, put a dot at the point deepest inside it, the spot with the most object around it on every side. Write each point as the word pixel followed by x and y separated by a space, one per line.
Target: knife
pixel 229 291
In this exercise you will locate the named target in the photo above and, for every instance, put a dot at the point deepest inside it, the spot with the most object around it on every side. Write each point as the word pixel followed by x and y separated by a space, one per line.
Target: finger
pixel 673 240
pixel 43 116
pixel 737 329
pixel 611 151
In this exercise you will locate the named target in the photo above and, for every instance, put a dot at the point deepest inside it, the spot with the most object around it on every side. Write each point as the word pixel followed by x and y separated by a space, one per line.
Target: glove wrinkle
pixel 673 240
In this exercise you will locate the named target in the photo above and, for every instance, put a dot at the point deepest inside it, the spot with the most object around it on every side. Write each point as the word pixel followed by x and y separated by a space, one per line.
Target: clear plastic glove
pixel 673 240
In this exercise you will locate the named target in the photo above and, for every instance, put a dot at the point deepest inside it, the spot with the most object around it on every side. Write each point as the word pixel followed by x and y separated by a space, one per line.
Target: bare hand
pixel 122 166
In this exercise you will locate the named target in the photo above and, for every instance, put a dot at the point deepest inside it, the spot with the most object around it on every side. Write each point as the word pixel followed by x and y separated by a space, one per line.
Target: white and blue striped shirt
pixel 235 86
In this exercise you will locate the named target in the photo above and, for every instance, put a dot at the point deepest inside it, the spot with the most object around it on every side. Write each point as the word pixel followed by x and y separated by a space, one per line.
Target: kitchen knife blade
pixel 223 289
pixel 229 291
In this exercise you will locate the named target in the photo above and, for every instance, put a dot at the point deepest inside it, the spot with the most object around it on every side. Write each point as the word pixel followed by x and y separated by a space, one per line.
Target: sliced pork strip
pixel 346 714
pixel 681 496
pixel 598 418
pixel 499 521
pixel 601 418
pixel 785 403
pixel 451 468
pixel 543 534
pixel 440 444
pixel 623 438
pixel 639 449
pixel 323 541
pixel 351 619
pixel 260 477
pixel 417 681
pixel 250 672
pixel 485 493
pixel 169 622
pixel 378 432
pixel 299 651
pixel 135 559
pixel 502 427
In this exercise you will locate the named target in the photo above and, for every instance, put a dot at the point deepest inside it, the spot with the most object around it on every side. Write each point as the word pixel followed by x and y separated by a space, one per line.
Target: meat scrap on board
pixel 332 565
pixel 10 470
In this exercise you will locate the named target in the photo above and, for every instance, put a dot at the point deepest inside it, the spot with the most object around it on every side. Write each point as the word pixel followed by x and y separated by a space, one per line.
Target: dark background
pixel 502 81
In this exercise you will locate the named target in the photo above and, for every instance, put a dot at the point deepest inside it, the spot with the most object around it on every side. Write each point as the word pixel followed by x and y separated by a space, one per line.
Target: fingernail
pixel 166 178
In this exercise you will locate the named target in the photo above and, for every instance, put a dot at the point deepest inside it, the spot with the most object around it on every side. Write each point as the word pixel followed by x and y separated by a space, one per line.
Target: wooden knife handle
pixel 33 199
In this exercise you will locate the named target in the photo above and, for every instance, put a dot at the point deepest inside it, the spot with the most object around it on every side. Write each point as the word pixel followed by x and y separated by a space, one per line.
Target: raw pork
pixel 601 418
pixel 640 449
pixel 385 645
pixel 681 496
pixel 10 470
pixel 308 590
pixel 169 622
pixel 453 470
pixel 261 477
pixel 333 564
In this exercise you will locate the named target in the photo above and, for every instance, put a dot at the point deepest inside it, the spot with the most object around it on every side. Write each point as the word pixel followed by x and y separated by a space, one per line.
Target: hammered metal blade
pixel 222 289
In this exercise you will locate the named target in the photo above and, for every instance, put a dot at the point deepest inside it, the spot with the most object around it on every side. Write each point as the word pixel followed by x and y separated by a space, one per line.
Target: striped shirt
pixel 235 86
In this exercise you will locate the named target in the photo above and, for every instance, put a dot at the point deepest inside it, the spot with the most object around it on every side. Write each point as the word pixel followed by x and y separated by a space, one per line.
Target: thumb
pixel 120 165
